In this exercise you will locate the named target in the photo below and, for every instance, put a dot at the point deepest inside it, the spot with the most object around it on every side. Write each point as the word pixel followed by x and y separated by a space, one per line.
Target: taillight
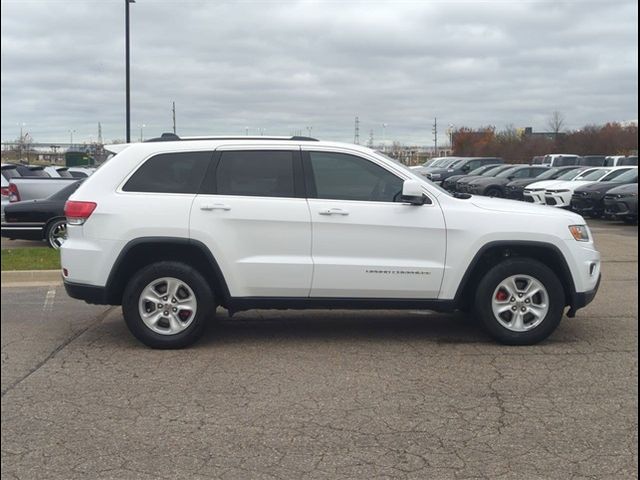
pixel 14 194
pixel 5 191
pixel 78 212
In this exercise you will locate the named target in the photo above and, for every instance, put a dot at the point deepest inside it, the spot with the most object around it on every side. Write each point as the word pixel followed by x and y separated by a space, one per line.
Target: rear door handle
pixel 333 211
pixel 215 206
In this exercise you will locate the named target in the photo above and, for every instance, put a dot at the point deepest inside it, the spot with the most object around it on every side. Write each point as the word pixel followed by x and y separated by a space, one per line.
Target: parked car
pixel 560 159
pixel 33 188
pixel 39 219
pixel 58 172
pixel 621 160
pixel 515 189
pixel 589 199
pixel 168 230
pixel 535 192
pixel 463 185
pixel 496 186
pixel 592 161
pixel 449 183
pixel 32 171
pixel 461 167
pixel 560 194
pixel 622 202
pixel 432 162
pixel 4 194
pixel 438 165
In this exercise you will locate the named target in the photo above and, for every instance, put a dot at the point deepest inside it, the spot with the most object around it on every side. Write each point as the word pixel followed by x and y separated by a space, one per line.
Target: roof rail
pixel 172 137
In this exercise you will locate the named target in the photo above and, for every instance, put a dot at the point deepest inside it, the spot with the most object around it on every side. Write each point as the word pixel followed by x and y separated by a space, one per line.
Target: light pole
pixel 21 140
pixel 450 130
pixel 309 131
pixel 127 69
pixel 142 132
pixel 71 132
pixel 384 144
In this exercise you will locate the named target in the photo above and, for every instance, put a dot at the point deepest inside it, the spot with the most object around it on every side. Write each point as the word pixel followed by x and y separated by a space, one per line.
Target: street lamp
pixel 384 147
pixel 127 72
pixel 71 132
pixel 142 132
pixel 451 129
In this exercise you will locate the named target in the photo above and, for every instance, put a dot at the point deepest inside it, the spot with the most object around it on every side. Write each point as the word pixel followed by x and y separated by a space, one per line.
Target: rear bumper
pixel 89 293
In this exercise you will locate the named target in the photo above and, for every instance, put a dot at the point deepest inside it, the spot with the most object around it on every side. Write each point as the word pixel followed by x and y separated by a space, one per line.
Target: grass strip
pixel 36 258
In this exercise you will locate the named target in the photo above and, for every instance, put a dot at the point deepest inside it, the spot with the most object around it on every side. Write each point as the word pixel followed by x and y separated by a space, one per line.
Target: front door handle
pixel 333 211
pixel 215 206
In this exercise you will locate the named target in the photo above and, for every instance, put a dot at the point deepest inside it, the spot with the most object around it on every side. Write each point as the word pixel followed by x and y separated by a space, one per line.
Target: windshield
pixel 593 175
pixel 508 172
pixel 571 174
pixel 10 173
pixel 64 173
pixel 617 175
pixel 495 170
pixel 457 164
pixel 628 161
pixel 551 173
pixel 481 170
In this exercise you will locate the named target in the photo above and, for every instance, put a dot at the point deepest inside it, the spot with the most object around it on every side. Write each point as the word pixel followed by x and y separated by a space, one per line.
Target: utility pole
pixel 99 134
pixel 435 136
pixel 384 140
pixel 370 143
pixel 173 114
pixel 356 136
pixel 127 69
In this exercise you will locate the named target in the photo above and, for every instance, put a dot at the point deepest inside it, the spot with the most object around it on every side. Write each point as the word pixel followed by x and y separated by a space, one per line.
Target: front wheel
pixel 494 192
pixel 167 304
pixel 520 301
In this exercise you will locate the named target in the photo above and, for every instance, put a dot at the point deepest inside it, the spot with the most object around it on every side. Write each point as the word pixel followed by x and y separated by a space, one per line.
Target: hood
pixel 598 187
pixel 491 181
pixel 523 208
pixel 544 184
pixel 625 189
pixel 570 185
pixel 523 182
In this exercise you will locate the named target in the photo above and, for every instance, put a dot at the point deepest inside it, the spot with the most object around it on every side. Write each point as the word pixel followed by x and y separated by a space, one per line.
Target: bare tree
pixel 556 122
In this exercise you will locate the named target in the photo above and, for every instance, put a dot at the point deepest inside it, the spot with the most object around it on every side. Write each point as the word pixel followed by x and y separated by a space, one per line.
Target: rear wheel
pixel 520 301
pixel 56 233
pixel 167 304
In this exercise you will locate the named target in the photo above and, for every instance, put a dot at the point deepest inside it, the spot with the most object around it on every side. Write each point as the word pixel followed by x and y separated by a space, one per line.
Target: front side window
pixel 170 173
pixel 262 173
pixel 341 176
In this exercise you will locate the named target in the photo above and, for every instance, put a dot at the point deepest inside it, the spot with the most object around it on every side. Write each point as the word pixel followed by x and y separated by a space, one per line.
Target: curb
pixel 29 277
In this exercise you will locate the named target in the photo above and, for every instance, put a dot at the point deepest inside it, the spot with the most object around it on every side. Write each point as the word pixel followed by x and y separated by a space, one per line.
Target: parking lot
pixel 340 394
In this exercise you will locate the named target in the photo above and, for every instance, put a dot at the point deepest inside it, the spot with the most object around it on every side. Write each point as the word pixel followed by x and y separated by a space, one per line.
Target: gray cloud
pixel 285 65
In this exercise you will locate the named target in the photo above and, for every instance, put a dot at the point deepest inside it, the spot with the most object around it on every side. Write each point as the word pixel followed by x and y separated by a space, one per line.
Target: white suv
pixel 171 229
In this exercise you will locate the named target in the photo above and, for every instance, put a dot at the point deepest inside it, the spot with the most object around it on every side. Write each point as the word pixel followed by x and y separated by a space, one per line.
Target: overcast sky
pixel 284 66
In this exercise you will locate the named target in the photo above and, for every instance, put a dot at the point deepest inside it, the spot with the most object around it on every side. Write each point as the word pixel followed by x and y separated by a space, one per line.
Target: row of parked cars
pixel 33 198
pixel 609 189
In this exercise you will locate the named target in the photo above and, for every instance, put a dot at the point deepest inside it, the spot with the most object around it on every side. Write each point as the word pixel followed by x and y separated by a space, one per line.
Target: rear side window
pixel 170 173
pixel 10 173
pixel 263 173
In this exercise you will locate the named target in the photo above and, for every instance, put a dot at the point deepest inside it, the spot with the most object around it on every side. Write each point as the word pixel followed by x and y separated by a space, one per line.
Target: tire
pixel 493 192
pixel 182 302
pixel 56 233
pixel 531 328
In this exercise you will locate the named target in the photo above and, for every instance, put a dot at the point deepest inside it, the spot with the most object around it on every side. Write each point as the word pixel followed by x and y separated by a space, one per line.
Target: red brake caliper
pixel 501 296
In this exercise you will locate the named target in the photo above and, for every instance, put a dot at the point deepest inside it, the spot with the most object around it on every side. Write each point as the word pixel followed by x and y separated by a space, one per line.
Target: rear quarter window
pixel 170 173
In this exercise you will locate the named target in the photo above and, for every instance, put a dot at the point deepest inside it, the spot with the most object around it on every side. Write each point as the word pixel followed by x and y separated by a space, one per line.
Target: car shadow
pixel 342 325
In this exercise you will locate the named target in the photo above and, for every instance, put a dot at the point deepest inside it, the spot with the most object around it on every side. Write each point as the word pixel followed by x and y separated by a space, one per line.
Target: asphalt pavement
pixel 332 395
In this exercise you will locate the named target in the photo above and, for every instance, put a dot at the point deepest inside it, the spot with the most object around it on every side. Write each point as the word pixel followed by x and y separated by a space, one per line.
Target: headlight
pixel 579 232
pixel 435 176
pixel 558 191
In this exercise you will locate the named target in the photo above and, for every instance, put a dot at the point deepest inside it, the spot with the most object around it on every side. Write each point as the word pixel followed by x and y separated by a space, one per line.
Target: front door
pixel 366 243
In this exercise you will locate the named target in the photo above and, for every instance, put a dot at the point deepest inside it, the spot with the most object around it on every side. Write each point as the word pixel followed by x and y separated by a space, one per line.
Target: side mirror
pixel 466 168
pixel 412 193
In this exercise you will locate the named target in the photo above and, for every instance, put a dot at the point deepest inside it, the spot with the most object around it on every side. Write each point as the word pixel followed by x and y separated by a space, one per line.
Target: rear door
pixel 366 243
pixel 251 213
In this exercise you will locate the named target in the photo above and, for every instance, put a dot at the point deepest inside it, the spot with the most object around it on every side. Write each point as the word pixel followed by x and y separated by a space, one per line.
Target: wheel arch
pixel 146 250
pixel 492 253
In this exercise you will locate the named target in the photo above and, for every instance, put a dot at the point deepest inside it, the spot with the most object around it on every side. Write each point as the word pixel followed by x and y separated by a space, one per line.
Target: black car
pixel 462 166
pixel 622 202
pixel 451 182
pixel 462 185
pixel 39 219
pixel 589 199
pixel 515 190
pixel 496 186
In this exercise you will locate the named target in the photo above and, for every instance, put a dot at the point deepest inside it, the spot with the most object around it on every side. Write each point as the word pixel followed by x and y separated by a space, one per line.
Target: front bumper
pixel 582 299
pixel 560 200
pixel 585 205
pixel 515 193
pixel 621 207
pixel 534 196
